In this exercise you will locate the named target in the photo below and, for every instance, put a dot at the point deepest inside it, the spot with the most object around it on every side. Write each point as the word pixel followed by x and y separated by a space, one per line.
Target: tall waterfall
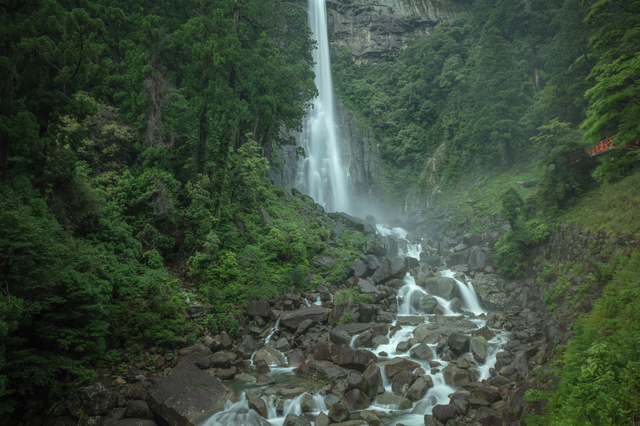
pixel 321 174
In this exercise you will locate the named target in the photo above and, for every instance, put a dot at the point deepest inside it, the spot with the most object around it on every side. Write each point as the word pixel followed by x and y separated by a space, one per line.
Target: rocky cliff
pixel 376 29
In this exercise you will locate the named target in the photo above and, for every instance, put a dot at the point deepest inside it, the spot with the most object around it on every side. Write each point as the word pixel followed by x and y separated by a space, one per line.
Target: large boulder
pixel 397 365
pixel 188 396
pixel 355 399
pixel 477 258
pixel 359 269
pixel 397 402
pixel 402 381
pixel 293 319
pixel 458 343
pixel 375 247
pixel 419 388
pixel 321 370
pixel 269 355
pixel 396 267
pixel 257 308
pixel 444 413
pixel 479 348
pixel 454 376
pixel 494 292
pixel 94 400
pixel 373 378
pixel 342 334
pixel 354 358
pixel 442 287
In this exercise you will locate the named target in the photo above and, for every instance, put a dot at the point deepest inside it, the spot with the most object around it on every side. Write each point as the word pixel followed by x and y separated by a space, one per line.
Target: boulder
pixel 271 356
pixel 359 269
pixel 493 292
pixel 374 247
pixel 412 320
pixel 444 413
pixel 458 343
pixel 397 365
pixel 355 399
pixel 293 319
pixel 488 417
pixel 354 358
pixel 246 348
pixel 419 388
pixel 373 379
pixel 219 360
pixel 422 352
pixel 454 376
pixel 139 410
pixel 188 396
pixel 321 370
pixel 401 382
pixel 257 309
pixel 94 400
pixel 479 348
pixel 342 334
pixel 134 422
pixel 396 402
pixel 395 267
pixel 322 420
pixel 477 258
pixel 324 350
pixel 338 413
pixel 259 405
pixel 442 287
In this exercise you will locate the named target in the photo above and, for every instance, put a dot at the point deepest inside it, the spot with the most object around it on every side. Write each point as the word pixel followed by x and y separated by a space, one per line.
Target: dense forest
pixel 137 139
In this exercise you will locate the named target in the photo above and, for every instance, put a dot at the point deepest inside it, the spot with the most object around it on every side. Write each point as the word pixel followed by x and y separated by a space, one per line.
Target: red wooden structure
pixel 600 148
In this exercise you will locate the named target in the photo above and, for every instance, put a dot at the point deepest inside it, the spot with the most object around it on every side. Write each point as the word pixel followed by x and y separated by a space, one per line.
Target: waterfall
pixel 321 174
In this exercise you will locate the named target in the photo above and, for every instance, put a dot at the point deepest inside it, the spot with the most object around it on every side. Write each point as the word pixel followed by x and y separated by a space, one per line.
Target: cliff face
pixel 375 29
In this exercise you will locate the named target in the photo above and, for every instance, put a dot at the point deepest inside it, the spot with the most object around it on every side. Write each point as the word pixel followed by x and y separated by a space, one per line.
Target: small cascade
pixel 467 294
pixel 275 328
pixel 235 413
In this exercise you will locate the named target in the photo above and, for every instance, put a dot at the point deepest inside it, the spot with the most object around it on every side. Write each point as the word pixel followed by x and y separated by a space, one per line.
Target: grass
pixel 614 207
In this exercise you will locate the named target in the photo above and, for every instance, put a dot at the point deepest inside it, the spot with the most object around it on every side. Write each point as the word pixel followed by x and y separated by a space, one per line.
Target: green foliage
pixel 351 296
pixel 600 377
pixel 344 319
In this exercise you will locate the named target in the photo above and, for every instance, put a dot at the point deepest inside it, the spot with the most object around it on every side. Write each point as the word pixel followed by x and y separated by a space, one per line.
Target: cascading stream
pixel 321 174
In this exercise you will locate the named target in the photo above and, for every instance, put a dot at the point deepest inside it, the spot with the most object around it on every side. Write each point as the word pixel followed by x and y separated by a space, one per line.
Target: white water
pixel 321 174
pixel 467 294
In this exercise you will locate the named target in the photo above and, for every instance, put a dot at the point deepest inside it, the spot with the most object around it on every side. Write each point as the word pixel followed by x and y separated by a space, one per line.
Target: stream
pixel 239 413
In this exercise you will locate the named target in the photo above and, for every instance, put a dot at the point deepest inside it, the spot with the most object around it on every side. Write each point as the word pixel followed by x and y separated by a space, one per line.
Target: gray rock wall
pixel 375 29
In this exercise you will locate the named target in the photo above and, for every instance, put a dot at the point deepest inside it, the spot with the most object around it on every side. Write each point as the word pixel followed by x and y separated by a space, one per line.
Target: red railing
pixel 601 146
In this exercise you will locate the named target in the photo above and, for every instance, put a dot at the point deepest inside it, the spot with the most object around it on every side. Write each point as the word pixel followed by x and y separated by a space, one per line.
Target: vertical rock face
pixel 372 30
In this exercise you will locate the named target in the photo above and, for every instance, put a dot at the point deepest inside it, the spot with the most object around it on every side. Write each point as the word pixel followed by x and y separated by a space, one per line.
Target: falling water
pixel 321 174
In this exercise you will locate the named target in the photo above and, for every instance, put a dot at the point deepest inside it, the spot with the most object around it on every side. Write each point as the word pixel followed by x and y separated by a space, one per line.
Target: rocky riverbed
pixel 432 346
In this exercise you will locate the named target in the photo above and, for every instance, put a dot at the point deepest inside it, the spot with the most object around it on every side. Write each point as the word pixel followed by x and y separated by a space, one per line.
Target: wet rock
pixel 442 287
pixel 484 332
pixel 444 413
pixel 374 247
pixel 370 417
pixel 366 311
pixel 488 417
pixel 338 311
pixel 269 355
pixel 262 367
pixel 356 381
pixel 389 269
pixel 257 309
pixel 486 393
pixel 355 399
pixel 227 374
pixel 456 305
pixel 379 341
pixel 244 378
pixel 396 401
pixel 114 416
pixel 94 400
pixel 265 380
pixel 412 320
pixel 422 352
pixel 365 340
pixel 342 334
pixel 373 379
pixel 338 413
pixel 491 291
pixel 325 350
pixel 398 365
pixel 479 348
pixel 322 420
pixel 293 319
pixel 354 358
pixel 403 347
pixel 458 343
pixel 283 345
pixel 188 396
pixel 401 382
pixel 304 327
pixel 359 269
pixel 455 376
pixel 139 409
pixel 321 370
pixel 259 405
pixel 419 388
pixel 246 348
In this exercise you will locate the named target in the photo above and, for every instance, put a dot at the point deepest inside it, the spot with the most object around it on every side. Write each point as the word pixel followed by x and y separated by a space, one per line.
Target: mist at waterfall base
pixel 239 412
